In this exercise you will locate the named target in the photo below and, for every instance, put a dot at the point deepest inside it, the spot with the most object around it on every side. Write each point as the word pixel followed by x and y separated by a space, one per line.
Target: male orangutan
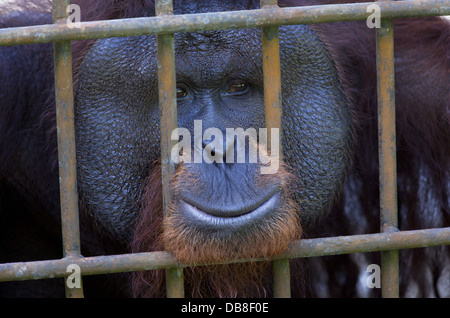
pixel 326 185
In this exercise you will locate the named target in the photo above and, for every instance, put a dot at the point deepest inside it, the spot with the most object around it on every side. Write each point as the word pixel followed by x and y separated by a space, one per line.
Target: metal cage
pixel 164 25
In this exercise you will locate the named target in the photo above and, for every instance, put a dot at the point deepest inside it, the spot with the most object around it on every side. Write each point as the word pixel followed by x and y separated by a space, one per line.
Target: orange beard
pixel 250 279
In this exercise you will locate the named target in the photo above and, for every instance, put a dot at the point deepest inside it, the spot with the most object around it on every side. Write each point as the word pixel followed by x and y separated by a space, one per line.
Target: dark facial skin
pixel 225 211
pixel 219 81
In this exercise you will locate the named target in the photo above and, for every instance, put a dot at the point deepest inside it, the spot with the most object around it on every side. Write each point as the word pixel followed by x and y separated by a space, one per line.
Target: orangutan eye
pixel 181 93
pixel 237 87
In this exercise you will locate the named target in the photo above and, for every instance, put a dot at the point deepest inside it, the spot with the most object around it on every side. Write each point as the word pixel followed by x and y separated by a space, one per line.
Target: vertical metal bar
pixel 273 113
pixel 281 278
pixel 168 122
pixel 66 144
pixel 272 74
pixel 387 152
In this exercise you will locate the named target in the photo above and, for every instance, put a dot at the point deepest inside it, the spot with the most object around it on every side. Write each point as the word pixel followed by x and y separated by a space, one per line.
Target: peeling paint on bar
pixel 66 145
pixel 387 152
pixel 269 18
pixel 168 123
pixel 219 21
pixel 273 110
pixel 160 260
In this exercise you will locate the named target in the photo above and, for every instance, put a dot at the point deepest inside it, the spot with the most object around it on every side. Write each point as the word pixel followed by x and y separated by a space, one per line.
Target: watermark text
pixel 374 19
pixel 211 147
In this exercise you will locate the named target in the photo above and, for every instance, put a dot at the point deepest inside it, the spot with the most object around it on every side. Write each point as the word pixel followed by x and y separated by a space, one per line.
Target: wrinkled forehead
pixel 217 51
pixel 227 51
pixel 223 40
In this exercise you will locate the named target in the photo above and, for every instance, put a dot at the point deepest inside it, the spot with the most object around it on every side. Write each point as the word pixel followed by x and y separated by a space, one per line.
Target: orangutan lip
pixel 225 212
pixel 205 218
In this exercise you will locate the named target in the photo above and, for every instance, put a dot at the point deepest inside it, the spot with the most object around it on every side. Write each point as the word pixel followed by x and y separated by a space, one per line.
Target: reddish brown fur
pixel 242 279
pixel 354 51
pixel 424 44
pixel 353 48
pixel 151 234
pixel 422 97
pixel 423 116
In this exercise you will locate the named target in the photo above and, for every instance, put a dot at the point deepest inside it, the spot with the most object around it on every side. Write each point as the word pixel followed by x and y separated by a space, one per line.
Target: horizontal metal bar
pixel 219 21
pixel 161 260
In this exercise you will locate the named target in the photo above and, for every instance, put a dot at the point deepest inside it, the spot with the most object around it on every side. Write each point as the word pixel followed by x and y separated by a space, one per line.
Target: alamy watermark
pixel 74 18
pixel 374 19
pixel 211 147
pixel 74 279
pixel 374 279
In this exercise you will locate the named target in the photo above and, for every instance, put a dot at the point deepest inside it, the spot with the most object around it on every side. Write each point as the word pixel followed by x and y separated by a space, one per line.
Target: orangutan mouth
pixel 224 219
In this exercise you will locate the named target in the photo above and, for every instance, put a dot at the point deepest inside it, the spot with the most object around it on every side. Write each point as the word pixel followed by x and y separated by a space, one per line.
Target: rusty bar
pixel 272 75
pixel 89 266
pixel 387 152
pixel 368 243
pixel 219 21
pixel 340 245
pixel 158 260
pixel 168 123
pixel 281 278
pixel 273 110
pixel 66 145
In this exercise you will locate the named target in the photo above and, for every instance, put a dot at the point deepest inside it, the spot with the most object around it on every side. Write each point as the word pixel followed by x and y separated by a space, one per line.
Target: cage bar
pixel 268 18
pixel 168 123
pixel 219 21
pixel 387 152
pixel 66 145
pixel 273 112
pixel 159 260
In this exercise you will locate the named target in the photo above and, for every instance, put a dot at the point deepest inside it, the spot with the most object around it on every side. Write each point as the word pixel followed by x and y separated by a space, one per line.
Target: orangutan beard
pixel 239 279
